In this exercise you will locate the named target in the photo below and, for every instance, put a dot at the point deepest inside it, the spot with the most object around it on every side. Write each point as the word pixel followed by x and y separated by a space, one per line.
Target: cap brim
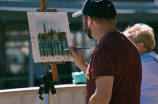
pixel 77 14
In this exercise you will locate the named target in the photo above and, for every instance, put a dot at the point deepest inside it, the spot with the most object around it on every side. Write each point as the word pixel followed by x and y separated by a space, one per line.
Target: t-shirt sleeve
pixel 102 64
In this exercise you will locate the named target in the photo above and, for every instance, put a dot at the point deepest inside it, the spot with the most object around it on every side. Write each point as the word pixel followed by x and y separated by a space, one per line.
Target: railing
pixel 66 94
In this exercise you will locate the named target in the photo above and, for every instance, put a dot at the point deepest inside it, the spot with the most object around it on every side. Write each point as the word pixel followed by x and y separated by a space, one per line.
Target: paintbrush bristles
pixel 92 47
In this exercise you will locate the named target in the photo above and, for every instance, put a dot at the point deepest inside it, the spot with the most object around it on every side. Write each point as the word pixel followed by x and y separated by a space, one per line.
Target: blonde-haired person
pixel 142 36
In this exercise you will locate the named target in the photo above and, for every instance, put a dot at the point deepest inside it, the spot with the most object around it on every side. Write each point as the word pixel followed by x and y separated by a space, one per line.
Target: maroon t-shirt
pixel 117 56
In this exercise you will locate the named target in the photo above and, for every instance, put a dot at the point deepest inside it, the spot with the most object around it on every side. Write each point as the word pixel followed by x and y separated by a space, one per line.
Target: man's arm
pixel 78 58
pixel 102 95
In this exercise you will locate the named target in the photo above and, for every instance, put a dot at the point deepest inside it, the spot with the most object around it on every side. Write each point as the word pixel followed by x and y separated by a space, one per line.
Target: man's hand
pixel 78 58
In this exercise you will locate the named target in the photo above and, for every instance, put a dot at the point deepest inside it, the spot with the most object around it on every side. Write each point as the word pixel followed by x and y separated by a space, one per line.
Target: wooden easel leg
pixel 43 4
pixel 54 72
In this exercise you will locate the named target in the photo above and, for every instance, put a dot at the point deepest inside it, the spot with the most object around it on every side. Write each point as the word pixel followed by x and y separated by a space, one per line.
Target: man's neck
pixel 99 33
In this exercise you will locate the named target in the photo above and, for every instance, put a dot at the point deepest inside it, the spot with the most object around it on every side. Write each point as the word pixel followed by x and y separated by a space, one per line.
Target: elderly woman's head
pixel 143 37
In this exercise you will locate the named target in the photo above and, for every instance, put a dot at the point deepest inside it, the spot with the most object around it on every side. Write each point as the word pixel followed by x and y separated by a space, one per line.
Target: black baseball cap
pixel 97 8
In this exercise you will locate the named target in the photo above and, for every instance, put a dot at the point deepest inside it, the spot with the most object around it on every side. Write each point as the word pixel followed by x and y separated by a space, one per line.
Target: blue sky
pixel 54 24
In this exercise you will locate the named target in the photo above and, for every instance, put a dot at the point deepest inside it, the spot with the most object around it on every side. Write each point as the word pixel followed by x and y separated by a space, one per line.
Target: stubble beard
pixel 87 30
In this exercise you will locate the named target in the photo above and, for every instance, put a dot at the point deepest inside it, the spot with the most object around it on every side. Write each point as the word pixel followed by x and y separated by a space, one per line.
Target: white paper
pixel 50 35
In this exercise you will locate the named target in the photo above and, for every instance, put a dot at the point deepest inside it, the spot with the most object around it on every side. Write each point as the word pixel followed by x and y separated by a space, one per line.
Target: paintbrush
pixel 76 48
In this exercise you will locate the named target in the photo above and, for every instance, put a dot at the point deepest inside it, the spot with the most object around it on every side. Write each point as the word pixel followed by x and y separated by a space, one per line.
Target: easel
pixel 51 75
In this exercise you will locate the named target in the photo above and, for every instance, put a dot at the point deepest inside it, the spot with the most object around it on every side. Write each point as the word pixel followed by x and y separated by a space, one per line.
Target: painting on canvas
pixel 50 35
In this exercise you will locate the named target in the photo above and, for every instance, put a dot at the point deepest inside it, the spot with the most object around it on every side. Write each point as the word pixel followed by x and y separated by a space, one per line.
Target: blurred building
pixel 17 68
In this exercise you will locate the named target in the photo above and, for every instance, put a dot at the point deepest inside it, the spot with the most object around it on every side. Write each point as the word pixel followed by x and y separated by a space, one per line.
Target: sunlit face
pixel 86 27
pixel 140 47
pixel 137 46
pixel 136 43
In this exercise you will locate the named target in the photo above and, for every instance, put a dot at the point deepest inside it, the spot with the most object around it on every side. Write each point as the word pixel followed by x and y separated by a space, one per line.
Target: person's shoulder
pixel 102 47
pixel 112 34
pixel 148 62
pixel 107 38
pixel 145 58
pixel 148 56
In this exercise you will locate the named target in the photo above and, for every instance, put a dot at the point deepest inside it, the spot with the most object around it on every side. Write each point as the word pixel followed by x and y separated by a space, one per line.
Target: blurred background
pixel 17 68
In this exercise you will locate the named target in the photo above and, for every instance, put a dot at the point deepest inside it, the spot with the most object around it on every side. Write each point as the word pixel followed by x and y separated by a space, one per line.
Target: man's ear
pixel 90 21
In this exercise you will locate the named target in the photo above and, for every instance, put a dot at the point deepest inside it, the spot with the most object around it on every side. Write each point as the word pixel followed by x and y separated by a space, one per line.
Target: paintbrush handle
pixel 76 48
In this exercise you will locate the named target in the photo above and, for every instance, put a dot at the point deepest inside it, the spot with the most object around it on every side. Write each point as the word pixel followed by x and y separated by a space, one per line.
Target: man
pixel 143 37
pixel 114 72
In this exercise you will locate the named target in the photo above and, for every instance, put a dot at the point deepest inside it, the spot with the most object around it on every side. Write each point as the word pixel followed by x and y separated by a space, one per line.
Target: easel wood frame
pixel 53 64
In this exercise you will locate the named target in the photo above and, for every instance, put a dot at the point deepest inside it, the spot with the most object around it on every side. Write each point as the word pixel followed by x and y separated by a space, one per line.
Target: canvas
pixel 50 35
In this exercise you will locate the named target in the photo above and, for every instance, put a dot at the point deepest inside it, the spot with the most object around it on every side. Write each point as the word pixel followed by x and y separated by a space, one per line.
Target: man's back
pixel 128 72
pixel 125 67
pixel 149 87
